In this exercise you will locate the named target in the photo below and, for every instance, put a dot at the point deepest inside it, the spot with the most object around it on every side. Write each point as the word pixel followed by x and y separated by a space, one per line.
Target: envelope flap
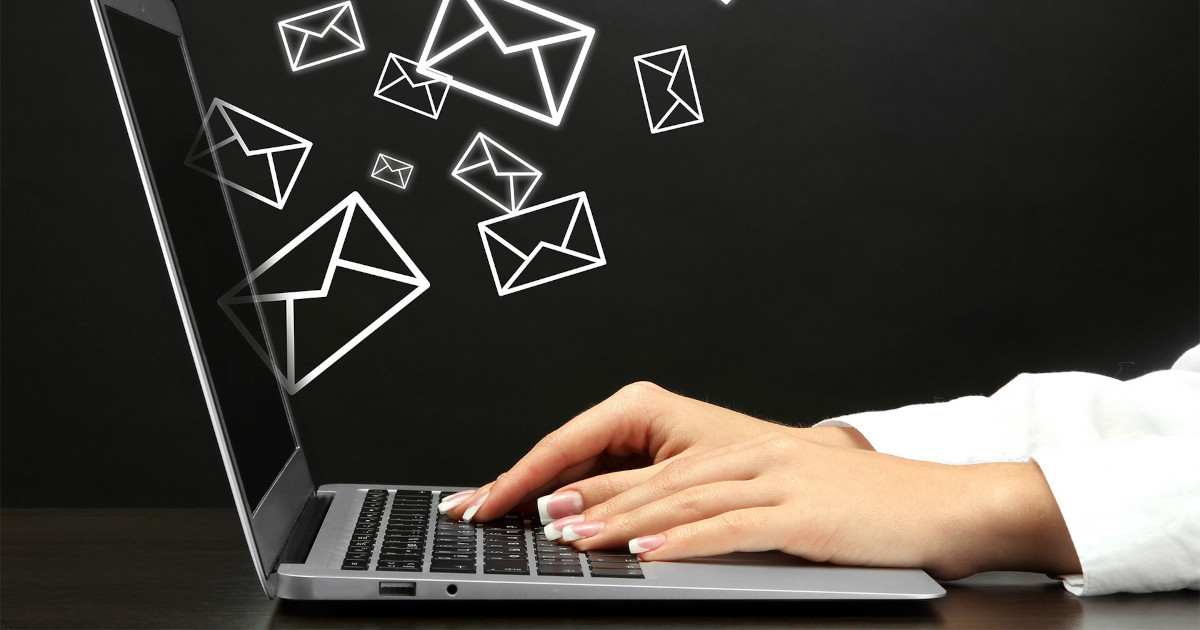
pixel 548 263
pixel 519 25
pixel 369 244
pixel 356 302
pixel 683 84
pixel 321 21
pixel 395 165
pixel 257 135
pixel 504 162
pixel 301 266
pixel 547 223
pixel 664 61
pixel 402 69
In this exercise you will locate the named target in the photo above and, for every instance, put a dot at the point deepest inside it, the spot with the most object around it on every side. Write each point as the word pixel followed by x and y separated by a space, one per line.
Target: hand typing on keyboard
pixel 671 478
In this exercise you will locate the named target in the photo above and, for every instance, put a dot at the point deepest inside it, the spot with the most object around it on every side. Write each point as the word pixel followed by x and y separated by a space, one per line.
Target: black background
pixel 888 203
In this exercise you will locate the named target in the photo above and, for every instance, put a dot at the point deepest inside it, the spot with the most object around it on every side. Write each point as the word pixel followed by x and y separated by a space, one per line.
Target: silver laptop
pixel 344 541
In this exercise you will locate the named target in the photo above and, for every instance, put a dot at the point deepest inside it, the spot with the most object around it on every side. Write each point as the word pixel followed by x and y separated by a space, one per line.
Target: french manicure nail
pixel 555 506
pixel 579 531
pixel 554 530
pixel 646 543
pixel 454 501
pixel 474 507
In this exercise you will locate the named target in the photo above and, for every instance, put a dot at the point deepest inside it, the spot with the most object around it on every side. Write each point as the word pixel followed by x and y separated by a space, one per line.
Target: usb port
pixel 398 589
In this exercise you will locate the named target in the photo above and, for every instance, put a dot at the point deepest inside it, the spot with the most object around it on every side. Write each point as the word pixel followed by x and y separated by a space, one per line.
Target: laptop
pixel 350 541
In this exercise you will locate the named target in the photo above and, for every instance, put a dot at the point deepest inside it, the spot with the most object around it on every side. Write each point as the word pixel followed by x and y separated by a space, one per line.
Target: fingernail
pixel 454 501
pixel 474 507
pixel 555 506
pixel 554 530
pixel 579 531
pixel 646 543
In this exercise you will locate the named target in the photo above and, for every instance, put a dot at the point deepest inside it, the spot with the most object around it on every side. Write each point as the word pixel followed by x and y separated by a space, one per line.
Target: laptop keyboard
pixel 500 547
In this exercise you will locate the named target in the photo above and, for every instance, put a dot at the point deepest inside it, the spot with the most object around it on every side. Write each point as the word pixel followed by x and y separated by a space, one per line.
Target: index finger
pixel 620 425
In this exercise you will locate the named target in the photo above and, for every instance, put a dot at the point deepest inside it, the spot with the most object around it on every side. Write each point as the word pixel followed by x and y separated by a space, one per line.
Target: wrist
pixel 842 437
pixel 1012 522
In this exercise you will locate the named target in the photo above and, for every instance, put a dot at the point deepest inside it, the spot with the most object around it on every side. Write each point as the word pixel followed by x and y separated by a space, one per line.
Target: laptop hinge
pixel 304 533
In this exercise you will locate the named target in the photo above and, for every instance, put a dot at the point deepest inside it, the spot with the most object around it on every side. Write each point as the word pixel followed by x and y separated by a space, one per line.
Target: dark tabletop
pixel 189 568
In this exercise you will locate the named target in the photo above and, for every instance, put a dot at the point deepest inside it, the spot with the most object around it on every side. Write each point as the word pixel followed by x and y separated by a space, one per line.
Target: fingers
pixel 691 505
pixel 618 426
pixel 739 530
pixel 737 462
pixel 685 490
pixel 572 498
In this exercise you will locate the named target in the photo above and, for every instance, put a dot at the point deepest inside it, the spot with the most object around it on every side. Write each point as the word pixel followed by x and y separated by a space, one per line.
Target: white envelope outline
pixel 677 65
pixel 581 219
pixel 555 104
pixel 267 154
pixel 320 24
pixel 391 171
pixel 350 209
pixel 424 95
pixel 518 176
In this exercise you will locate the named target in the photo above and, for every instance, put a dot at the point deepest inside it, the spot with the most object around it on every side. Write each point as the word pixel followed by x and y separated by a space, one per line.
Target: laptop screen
pixel 202 231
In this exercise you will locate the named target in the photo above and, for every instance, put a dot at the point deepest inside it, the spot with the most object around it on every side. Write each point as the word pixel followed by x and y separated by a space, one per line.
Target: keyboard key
pixel 509 567
pixel 396 565
pixel 611 557
pixel 618 573
pixel 560 570
pixel 446 555
pixel 451 566
pixel 613 565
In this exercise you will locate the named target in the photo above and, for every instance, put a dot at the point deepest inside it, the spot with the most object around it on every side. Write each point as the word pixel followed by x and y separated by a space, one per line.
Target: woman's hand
pixel 620 443
pixel 838 505
pixel 691 479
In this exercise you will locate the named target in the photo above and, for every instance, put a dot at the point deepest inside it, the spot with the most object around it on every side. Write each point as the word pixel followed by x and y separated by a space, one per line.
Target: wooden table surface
pixel 189 568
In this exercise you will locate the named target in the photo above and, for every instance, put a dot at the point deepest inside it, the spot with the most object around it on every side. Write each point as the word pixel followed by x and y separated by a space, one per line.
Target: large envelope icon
pixel 302 300
pixel 321 36
pixel 400 84
pixel 389 170
pixel 248 153
pixel 535 40
pixel 668 89
pixel 496 173
pixel 542 244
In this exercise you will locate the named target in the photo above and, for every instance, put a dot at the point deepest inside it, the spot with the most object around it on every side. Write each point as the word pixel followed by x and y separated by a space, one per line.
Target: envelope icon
pixel 496 173
pixel 542 244
pixel 358 266
pixel 668 89
pixel 510 34
pixel 400 84
pixel 256 157
pixel 389 170
pixel 321 36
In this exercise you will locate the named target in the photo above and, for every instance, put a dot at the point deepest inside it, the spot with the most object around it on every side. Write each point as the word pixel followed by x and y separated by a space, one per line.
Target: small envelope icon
pixel 542 244
pixel 324 303
pixel 512 34
pixel 249 149
pixel 389 170
pixel 400 84
pixel 496 173
pixel 321 36
pixel 668 89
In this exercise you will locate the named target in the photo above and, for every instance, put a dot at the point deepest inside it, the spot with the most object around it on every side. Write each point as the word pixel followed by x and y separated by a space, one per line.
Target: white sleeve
pixel 1120 457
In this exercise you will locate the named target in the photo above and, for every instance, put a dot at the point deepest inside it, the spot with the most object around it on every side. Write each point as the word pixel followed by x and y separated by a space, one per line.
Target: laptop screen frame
pixel 268 524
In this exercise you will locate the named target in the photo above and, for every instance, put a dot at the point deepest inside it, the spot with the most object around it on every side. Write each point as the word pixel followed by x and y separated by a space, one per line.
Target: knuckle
pixel 732 523
pixel 639 393
pixel 690 502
